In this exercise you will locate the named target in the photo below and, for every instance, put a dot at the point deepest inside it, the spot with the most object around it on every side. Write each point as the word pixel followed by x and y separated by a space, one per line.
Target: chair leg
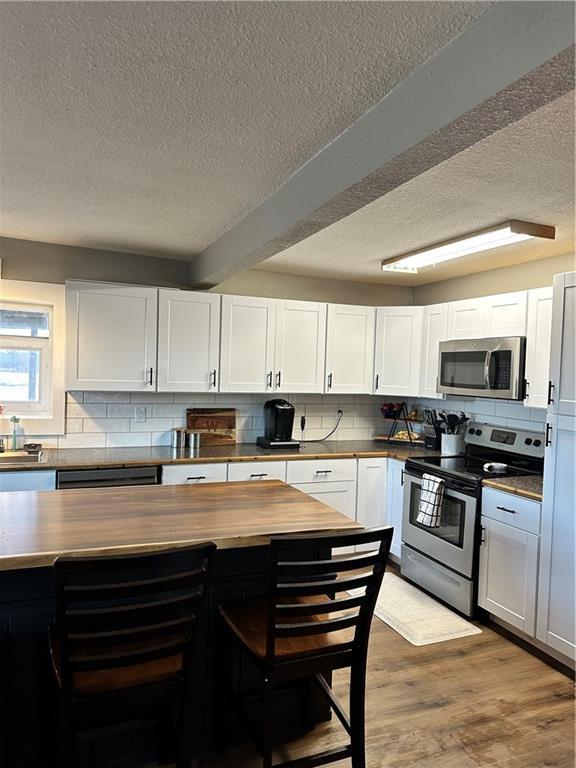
pixel 224 674
pixel 66 745
pixel 183 758
pixel 268 730
pixel 357 716
pixel 165 737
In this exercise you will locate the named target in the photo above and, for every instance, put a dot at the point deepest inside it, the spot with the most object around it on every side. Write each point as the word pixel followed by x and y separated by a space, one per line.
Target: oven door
pixel 452 543
pixel 483 367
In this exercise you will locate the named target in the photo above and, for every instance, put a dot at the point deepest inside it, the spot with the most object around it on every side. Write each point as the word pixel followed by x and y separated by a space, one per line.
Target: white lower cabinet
pixel 332 481
pixel 394 502
pixel 371 494
pixel 193 474
pixel 341 496
pixel 28 480
pixel 508 574
pixel 257 470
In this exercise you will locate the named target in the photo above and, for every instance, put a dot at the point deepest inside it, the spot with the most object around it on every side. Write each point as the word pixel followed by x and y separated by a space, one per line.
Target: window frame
pixel 46 416
pixel 42 406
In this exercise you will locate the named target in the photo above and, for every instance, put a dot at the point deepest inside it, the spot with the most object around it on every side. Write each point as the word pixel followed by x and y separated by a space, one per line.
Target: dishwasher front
pixel 106 478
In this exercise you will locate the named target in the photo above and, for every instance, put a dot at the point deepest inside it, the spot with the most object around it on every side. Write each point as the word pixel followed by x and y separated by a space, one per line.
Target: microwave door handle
pixel 487 360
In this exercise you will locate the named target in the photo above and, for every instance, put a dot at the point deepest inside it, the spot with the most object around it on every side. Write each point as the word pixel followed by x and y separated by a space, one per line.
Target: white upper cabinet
pixel 300 347
pixel 398 350
pixel 563 346
pixel 111 337
pixel 188 341
pixel 435 329
pixel 350 349
pixel 538 336
pixel 466 319
pixel 505 314
pixel 247 344
pixel 500 315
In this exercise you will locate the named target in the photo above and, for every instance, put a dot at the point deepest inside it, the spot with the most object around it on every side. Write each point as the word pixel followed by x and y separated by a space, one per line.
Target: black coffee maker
pixel 278 424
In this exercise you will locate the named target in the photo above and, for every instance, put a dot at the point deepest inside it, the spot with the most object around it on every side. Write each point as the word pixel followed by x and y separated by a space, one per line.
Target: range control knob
pixel 470 431
pixel 537 443
pixel 478 432
pixel 528 441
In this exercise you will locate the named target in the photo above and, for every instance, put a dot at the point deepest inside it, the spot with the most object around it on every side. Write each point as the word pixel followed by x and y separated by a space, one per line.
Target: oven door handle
pixel 464 489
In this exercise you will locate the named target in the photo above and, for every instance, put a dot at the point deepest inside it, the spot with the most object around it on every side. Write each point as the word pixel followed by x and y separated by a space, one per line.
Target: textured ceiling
pixel 153 127
pixel 525 171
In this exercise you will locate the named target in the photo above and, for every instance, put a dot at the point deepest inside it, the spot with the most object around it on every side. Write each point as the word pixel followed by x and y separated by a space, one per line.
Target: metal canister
pixel 178 440
pixel 192 440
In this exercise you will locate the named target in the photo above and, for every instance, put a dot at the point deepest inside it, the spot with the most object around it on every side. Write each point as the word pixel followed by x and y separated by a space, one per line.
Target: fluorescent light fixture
pixel 503 234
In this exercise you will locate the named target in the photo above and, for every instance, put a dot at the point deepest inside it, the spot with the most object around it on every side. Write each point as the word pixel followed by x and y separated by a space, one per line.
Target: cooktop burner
pixel 465 464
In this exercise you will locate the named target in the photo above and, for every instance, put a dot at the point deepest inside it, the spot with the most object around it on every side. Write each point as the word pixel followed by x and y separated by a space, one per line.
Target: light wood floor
pixel 477 701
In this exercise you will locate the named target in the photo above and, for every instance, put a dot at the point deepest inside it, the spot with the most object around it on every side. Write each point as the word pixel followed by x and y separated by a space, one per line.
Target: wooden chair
pixel 309 625
pixel 123 640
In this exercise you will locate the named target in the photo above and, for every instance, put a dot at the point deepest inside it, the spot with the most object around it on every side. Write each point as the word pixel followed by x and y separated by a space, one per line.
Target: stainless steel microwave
pixel 483 367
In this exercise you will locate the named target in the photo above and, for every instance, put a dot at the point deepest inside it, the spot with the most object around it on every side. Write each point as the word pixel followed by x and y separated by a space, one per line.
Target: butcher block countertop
pixel 529 487
pixel 86 458
pixel 38 526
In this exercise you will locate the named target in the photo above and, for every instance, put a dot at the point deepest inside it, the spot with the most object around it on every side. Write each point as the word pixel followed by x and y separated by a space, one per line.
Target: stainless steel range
pixel 443 558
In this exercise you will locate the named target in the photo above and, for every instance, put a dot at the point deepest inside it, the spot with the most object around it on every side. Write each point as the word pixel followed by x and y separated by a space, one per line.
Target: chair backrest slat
pixel 307 579
pixel 128 610
pixel 316 627
pixel 328 567
pixel 303 588
pixel 133 588
pixel 317 608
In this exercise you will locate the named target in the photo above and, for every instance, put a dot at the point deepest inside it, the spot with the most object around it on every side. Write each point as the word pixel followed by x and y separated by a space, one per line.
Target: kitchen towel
pixel 430 506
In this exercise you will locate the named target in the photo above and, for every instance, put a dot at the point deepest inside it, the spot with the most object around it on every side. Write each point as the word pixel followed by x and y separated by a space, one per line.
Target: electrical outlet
pixel 140 414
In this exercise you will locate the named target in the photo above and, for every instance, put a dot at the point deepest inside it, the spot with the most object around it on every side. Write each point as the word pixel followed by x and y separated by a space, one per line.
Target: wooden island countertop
pixel 38 526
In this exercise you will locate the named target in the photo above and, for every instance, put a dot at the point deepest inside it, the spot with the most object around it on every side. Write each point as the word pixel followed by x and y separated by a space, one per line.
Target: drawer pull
pixel 198 477
pixel 261 474
pixel 505 509
pixel 323 471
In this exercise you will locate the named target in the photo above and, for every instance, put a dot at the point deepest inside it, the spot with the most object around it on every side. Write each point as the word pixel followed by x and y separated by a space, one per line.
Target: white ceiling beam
pixel 507 63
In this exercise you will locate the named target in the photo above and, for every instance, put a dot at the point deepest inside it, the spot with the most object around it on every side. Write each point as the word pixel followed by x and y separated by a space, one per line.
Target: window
pixel 26 358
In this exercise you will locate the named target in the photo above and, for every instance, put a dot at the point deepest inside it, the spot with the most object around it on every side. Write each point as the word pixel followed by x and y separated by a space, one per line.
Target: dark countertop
pixel 83 458
pixel 529 487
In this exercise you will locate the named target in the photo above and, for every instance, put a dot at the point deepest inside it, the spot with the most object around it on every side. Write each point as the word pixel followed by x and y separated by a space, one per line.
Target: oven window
pixel 464 370
pixel 452 517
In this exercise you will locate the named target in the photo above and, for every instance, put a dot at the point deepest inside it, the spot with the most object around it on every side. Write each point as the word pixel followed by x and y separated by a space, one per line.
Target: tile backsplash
pixel 108 419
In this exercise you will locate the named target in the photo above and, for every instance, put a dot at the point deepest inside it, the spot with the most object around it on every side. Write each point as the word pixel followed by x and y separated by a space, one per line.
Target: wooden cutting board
pixel 217 426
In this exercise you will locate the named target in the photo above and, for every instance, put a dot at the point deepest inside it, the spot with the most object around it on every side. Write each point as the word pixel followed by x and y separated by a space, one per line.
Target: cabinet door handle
pixel 269 379
pixel 151 376
pixel 213 378
pixel 377 382
pixel 505 509
pixel 402 477
pixel 547 439
pixel 197 477
pixel 550 388
pixel 260 474
pixel 323 471
pixel 482 535
pixel 278 378
pixel 329 381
